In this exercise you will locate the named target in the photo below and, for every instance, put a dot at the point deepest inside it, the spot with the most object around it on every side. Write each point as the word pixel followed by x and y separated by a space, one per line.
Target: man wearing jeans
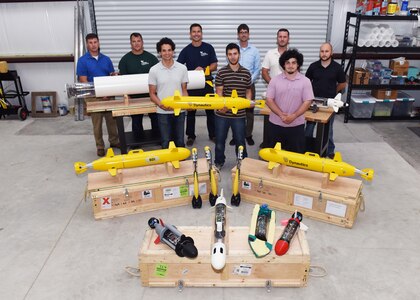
pixel 164 79
pixel 229 78
pixel 197 56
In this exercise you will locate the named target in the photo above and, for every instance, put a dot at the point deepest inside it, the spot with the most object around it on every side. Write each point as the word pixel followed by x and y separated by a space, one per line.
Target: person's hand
pixel 114 74
pixel 287 119
pixel 199 68
pixel 161 106
pixel 223 110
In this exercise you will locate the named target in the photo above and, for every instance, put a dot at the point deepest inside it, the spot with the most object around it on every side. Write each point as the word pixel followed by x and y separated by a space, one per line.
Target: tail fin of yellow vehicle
pixel 110 153
pixel 234 94
pixel 172 147
pixel 277 146
pixel 333 176
pixel 113 171
pixel 337 157
pixel 177 111
pixel 80 167
pixel 207 74
pixel 260 103
pixel 234 110
pixel 177 96
pixel 367 174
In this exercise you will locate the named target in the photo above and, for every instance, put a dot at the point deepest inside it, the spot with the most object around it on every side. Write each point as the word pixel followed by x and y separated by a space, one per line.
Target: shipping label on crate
pixel 147 194
pixel 337 209
pixel 202 188
pixel 175 192
pixel 246 185
pixel 161 270
pixel 303 201
pixel 106 202
pixel 243 270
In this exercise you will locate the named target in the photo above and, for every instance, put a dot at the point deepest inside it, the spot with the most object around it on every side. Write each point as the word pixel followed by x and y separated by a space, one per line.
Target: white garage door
pixel 307 22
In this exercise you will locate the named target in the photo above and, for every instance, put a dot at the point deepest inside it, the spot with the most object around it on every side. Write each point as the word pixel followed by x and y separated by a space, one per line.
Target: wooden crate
pixel 312 193
pixel 161 267
pixel 145 188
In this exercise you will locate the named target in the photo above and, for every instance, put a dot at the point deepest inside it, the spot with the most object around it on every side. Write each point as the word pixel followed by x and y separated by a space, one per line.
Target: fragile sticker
pixel 246 185
pixel 303 201
pixel 242 270
pixel 161 270
pixel 106 202
pixel 147 194
pixel 336 209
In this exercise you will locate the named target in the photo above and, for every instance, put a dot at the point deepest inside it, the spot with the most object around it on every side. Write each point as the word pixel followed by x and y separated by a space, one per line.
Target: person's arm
pixel 219 90
pixel 154 97
pixel 256 67
pixel 83 79
pixel 273 107
pixel 265 74
pixel 184 89
pixel 341 87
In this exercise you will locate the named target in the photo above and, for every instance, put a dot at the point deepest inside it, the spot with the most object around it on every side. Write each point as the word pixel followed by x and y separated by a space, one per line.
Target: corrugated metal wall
pixel 307 22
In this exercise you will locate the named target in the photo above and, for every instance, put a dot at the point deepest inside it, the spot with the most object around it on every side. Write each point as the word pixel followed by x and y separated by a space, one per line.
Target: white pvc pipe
pixel 137 84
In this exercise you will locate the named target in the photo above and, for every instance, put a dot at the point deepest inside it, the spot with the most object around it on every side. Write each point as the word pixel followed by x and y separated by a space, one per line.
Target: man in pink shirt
pixel 289 96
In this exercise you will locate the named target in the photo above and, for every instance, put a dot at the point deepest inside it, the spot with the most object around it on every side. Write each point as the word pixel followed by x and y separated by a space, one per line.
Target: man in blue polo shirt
pixel 95 64
pixel 197 56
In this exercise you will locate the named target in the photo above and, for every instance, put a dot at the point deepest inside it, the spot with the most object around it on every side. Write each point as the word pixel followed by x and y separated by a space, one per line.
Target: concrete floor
pixel 52 248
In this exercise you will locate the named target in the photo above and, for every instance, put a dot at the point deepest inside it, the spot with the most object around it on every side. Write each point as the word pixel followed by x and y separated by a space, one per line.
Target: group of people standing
pixel 289 93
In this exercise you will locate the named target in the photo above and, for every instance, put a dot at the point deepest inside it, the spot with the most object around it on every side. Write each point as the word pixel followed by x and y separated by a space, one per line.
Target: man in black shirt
pixel 328 79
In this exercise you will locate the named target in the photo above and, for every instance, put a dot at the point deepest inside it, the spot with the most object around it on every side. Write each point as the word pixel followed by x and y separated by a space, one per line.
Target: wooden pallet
pixel 161 267
pixel 312 193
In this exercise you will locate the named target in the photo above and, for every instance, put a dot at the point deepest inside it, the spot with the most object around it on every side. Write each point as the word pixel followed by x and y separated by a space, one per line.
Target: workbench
pixel 127 107
pixel 322 119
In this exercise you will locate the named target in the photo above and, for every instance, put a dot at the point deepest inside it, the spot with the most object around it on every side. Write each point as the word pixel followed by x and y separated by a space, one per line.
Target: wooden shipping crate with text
pixel 161 267
pixel 312 193
pixel 146 188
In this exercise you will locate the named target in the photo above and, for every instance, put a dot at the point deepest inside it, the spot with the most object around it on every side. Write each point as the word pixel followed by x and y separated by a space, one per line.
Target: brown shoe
pixel 115 145
pixel 100 152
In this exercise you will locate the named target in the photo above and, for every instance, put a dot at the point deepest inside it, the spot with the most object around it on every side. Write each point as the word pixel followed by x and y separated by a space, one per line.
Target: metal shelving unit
pixel 372 53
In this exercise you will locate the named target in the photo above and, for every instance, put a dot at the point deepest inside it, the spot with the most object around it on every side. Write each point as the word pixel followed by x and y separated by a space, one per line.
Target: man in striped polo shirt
pixel 229 78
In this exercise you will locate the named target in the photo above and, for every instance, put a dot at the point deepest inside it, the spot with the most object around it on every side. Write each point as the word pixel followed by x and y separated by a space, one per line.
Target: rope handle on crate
pixel 362 202
pixel 132 271
pixel 317 271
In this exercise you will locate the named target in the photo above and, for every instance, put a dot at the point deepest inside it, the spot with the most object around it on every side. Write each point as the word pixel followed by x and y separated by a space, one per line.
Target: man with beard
pixel 139 61
pixel 270 65
pixel 328 79
pixel 229 78
pixel 197 56
pixel 289 96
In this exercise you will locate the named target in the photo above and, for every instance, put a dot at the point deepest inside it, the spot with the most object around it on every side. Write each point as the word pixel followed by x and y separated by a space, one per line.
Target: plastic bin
pixel 403 105
pixel 383 107
pixel 397 79
pixel 361 106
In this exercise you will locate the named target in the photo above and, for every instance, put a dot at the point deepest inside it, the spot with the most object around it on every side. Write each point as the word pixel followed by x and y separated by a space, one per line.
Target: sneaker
pixel 232 142
pixel 100 152
pixel 190 141
pixel 115 145
pixel 218 167
pixel 250 141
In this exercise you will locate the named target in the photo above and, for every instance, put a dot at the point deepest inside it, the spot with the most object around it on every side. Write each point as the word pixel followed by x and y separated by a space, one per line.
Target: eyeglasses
pixel 243 32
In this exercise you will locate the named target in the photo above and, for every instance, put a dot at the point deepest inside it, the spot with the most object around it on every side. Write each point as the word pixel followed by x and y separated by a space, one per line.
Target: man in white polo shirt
pixel 164 79
pixel 270 65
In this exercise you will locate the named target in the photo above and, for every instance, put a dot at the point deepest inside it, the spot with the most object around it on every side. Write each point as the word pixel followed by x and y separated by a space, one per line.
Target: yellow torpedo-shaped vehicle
pixel 209 101
pixel 312 161
pixel 134 158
